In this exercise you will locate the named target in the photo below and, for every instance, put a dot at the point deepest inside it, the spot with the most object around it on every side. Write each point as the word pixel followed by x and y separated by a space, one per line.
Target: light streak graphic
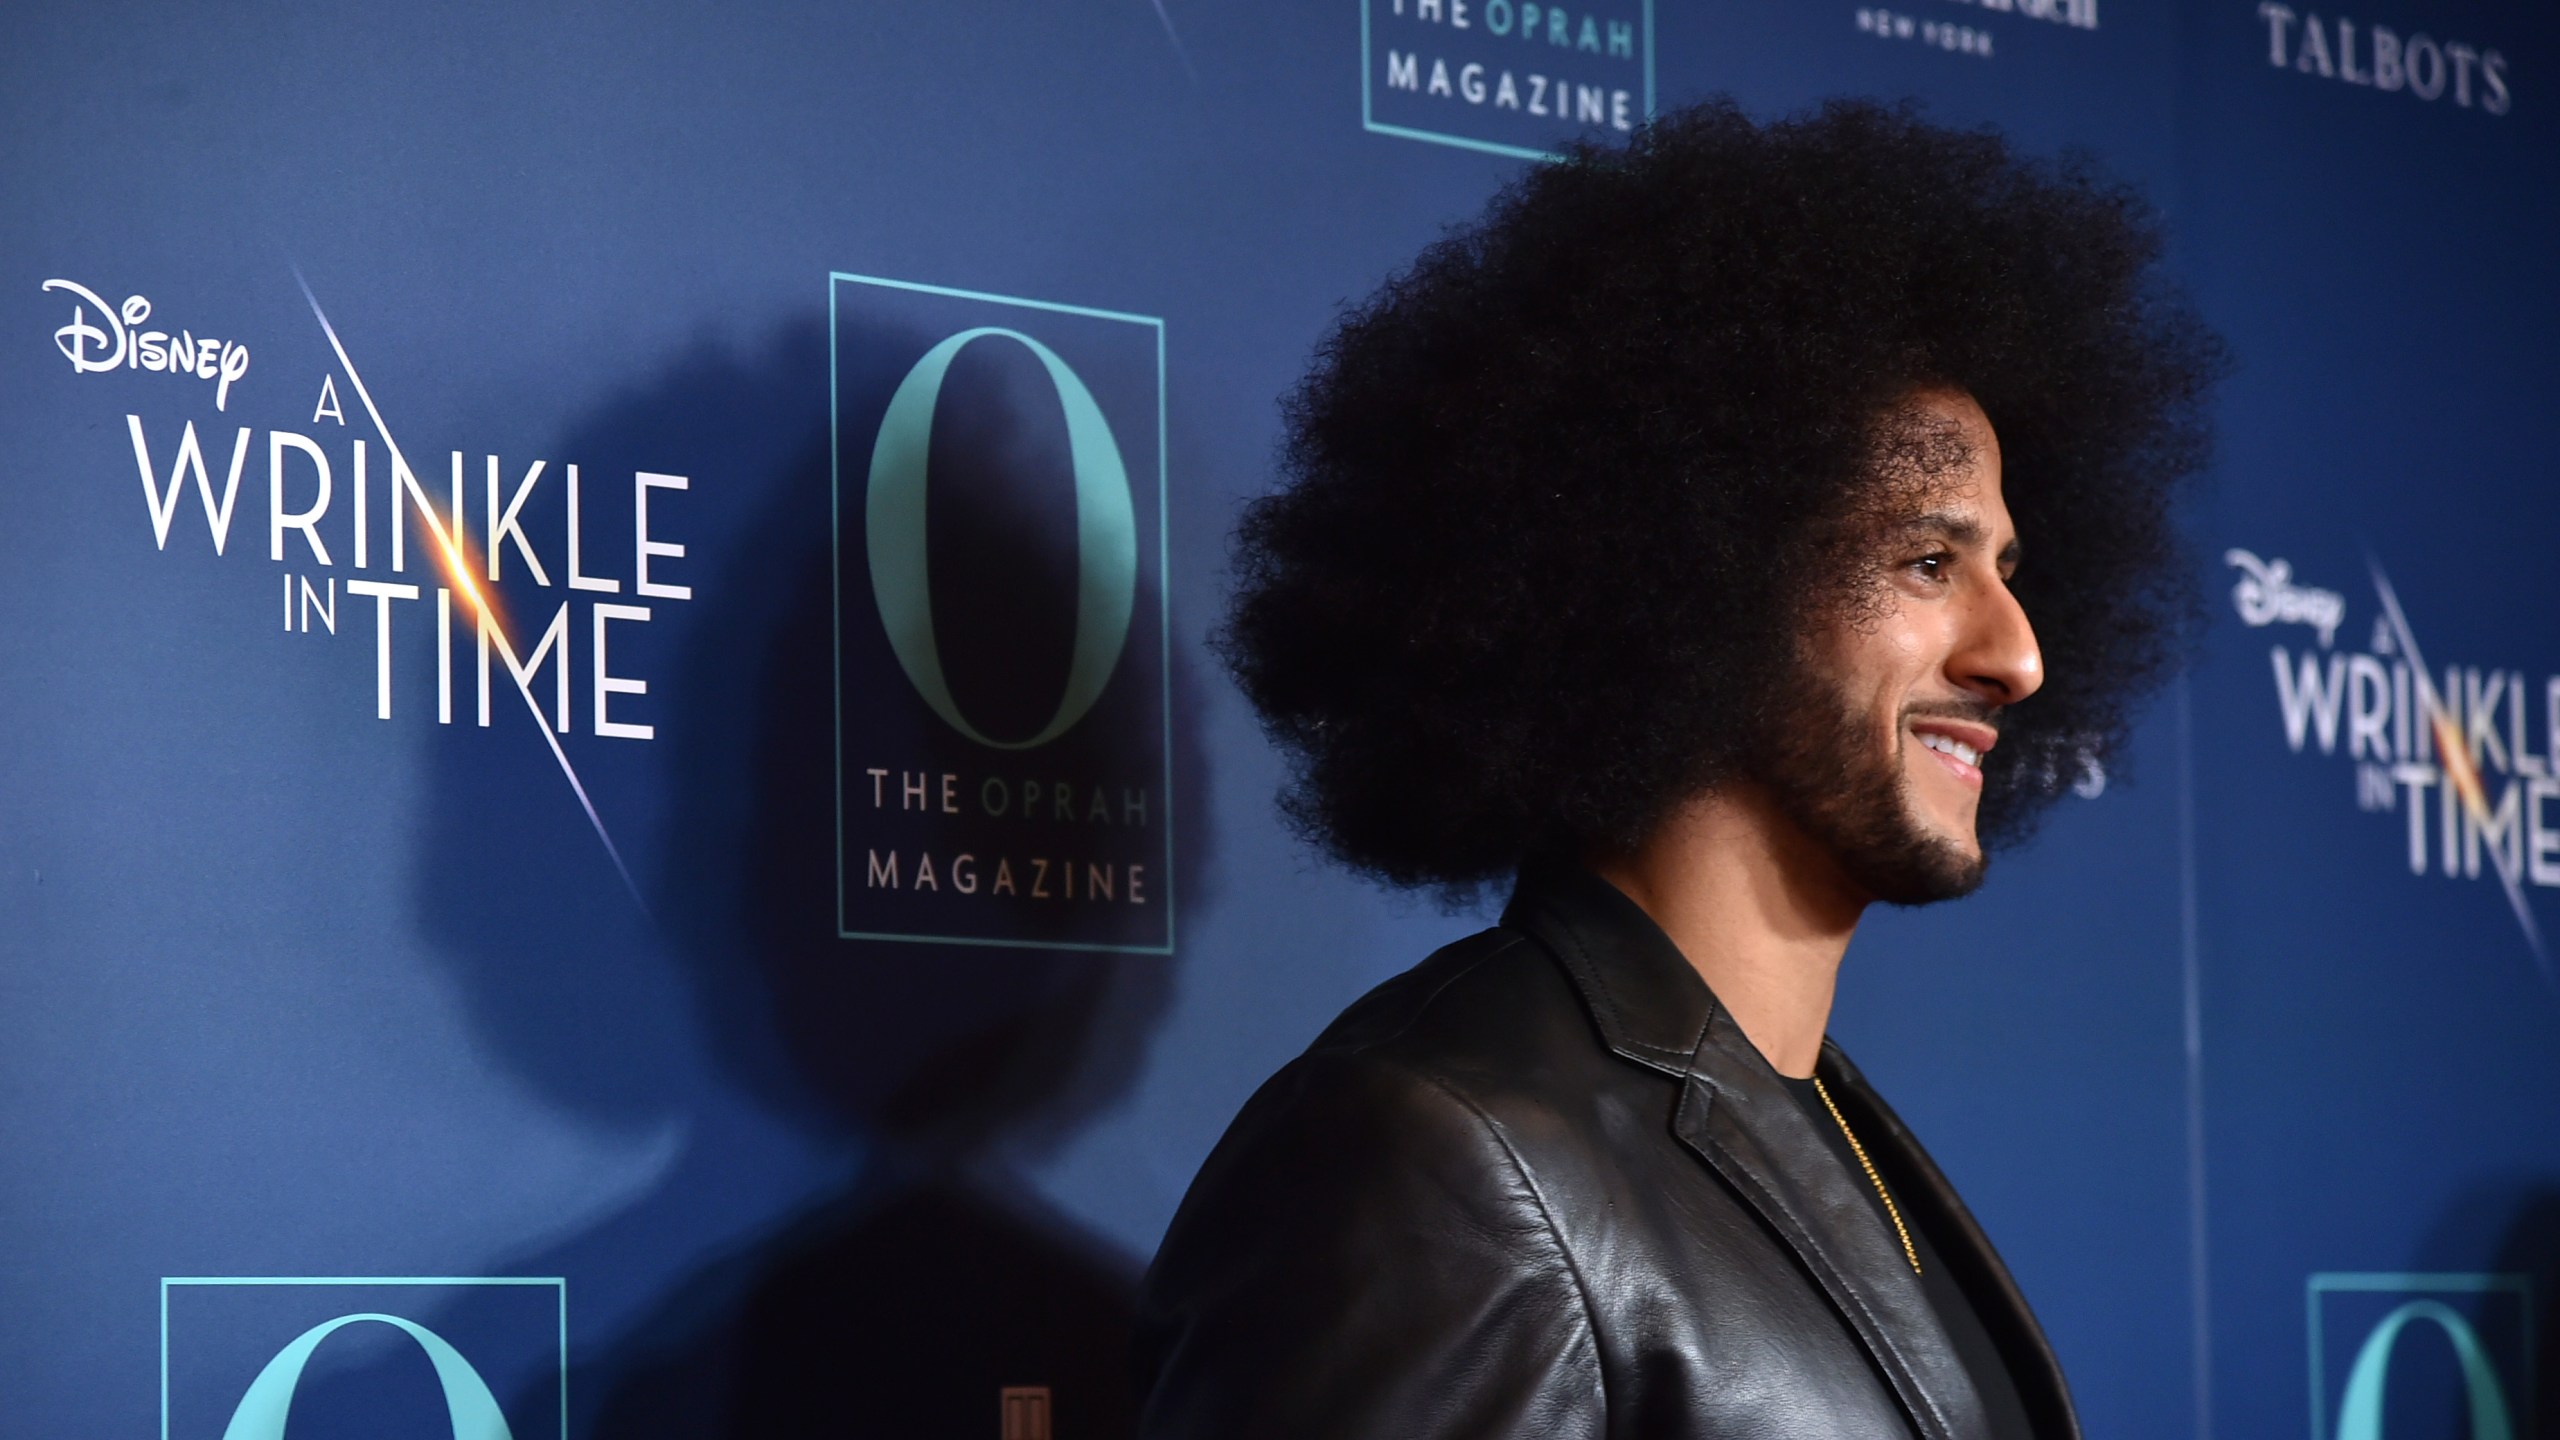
pixel 453 556
pixel 2461 768
pixel 1179 53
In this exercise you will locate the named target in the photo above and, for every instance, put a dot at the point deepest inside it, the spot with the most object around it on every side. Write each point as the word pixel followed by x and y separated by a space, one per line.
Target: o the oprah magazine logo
pixel 445 1358
pixel 1003 775
pixel 1510 77
pixel 2400 1356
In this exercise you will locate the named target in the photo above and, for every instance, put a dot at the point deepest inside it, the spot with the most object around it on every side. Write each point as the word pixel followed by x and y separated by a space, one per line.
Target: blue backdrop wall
pixel 701 949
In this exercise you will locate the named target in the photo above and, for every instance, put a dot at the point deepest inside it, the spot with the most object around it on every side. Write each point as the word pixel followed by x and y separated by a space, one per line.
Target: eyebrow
pixel 1964 532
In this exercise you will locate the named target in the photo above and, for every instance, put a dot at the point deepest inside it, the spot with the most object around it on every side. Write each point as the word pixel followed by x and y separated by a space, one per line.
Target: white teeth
pixel 1949 745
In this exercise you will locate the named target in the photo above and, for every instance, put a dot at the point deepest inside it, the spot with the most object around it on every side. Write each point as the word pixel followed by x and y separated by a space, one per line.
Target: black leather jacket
pixel 1542 1185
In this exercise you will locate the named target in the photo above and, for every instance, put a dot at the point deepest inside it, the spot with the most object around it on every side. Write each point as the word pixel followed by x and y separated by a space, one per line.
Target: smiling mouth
pixel 1957 746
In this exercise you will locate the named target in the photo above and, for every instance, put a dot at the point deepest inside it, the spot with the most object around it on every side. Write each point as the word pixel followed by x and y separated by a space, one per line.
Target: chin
pixel 1960 839
pixel 1919 865
pixel 1948 877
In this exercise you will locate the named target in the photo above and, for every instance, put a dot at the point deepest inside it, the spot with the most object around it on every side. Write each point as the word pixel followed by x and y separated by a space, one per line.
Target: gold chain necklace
pixel 1891 1212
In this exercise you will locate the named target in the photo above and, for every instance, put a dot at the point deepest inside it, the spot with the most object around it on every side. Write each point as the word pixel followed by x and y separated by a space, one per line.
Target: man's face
pixel 1880 764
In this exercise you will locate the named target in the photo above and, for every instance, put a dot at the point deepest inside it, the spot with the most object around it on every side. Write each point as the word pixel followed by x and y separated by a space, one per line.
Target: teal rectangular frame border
pixel 1164 601
pixel 1369 121
pixel 558 1283
pixel 2395 1282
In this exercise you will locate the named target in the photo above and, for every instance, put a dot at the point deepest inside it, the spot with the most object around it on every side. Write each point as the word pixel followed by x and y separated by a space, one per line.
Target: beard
pixel 1853 801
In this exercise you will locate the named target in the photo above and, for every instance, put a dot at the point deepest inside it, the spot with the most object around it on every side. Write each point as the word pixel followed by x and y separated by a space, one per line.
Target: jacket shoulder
pixel 1418 1072
pixel 1489 1017
pixel 1369 1202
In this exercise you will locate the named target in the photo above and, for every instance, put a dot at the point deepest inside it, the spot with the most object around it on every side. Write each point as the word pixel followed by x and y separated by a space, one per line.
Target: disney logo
pixel 115 342
pixel 2266 595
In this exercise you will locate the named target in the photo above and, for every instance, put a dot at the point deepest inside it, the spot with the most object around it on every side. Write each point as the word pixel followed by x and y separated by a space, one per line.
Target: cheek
pixel 1898 665
pixel 1916 641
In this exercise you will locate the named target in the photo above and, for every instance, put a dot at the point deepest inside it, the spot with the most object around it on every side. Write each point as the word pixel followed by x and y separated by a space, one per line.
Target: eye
pixel 1933 567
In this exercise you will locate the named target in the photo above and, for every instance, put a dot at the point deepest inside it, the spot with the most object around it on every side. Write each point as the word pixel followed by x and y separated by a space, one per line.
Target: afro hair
pixel 1559 500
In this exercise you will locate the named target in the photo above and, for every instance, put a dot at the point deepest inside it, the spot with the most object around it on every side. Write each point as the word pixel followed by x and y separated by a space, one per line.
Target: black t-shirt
pixel 2006 1413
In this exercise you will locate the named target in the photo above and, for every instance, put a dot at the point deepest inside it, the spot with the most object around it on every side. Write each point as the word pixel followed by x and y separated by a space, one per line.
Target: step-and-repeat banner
pixel 615 817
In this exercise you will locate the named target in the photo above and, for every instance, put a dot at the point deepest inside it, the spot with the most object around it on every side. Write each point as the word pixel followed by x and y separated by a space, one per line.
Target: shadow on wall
pixel 2531 1247
pixel 900 1306
pixel 2502 1228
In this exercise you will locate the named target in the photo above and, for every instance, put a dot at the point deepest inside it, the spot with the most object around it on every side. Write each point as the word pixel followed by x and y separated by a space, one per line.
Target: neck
pixel 1762 913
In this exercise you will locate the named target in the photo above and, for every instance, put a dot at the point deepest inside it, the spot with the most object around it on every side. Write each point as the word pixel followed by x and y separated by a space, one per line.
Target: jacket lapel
pixel 1751 1132
pixel 1651 1008
pixel 1935 1207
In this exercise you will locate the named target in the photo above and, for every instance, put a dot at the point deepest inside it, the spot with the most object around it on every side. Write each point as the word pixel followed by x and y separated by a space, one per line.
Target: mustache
pixel 1971 712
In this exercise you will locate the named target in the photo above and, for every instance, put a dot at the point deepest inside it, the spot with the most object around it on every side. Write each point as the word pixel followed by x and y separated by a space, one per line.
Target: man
pixel 1721 536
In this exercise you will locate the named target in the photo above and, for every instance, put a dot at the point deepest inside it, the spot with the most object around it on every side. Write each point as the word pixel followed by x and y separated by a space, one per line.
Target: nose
pixel 1996 656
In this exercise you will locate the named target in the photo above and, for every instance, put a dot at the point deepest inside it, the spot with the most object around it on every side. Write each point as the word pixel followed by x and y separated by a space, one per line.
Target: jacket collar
pixel 1650 1007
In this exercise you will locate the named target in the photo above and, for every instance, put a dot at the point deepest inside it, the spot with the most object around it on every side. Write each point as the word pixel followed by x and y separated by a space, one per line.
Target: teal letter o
pixel 2360 1412
pixel 471 1409
pixel 1106 537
